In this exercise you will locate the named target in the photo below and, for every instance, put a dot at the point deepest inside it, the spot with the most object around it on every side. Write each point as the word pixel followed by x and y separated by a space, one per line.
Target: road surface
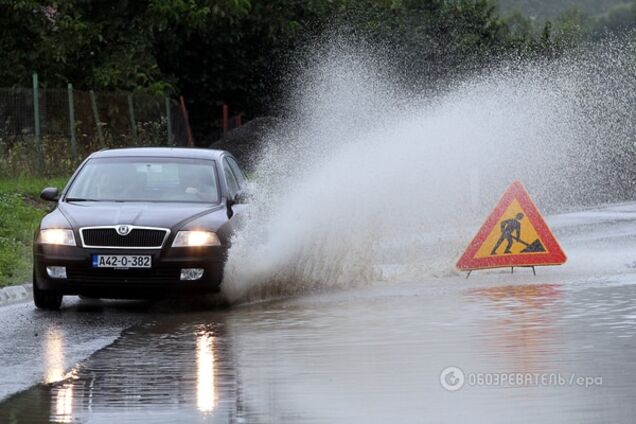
pixel 498 347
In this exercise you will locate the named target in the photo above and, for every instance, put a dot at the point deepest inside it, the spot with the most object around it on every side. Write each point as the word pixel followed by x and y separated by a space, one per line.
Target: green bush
pixel 20 213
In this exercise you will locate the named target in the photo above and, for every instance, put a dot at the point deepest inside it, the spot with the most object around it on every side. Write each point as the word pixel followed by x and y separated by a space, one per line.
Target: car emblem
pixel 123 230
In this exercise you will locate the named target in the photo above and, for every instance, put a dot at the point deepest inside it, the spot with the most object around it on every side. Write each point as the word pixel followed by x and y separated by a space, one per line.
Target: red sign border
pixel 553 256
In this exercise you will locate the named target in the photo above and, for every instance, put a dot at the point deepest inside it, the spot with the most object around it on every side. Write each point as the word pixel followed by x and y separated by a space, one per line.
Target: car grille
pixel 138 237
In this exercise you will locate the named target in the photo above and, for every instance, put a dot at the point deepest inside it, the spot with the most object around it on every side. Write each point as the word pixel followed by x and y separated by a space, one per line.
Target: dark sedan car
pixel 138 223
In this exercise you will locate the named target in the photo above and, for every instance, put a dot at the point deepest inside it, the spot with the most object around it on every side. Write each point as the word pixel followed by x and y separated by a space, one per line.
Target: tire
pixel 46 299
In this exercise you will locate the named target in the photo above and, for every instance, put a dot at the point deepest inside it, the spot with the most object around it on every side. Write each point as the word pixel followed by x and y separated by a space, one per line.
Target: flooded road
pixel 498 347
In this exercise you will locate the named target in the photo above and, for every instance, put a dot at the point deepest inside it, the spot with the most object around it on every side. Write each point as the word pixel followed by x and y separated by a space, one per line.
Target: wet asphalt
pixel 355 356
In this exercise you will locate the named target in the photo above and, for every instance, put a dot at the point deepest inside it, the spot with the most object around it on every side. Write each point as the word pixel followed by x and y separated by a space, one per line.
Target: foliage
pixel 99 44
pixel 244 62
pixel 20 213
pixel 30 187
pixel 240 51
pixel 440 39
pixel 552 9
pixel 241 58
pixel 621 18
pixel 575 21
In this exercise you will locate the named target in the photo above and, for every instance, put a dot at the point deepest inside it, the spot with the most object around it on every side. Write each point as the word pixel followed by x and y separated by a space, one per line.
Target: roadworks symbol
pixel 514 234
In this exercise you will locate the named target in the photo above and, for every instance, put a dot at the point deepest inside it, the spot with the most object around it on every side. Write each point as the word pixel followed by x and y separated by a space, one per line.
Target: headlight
pixel 57 236
pixel 195 239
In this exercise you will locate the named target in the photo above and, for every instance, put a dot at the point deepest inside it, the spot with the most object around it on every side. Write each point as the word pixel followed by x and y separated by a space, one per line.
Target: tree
pixel 101 44
pixel 240 51
pixel 620 19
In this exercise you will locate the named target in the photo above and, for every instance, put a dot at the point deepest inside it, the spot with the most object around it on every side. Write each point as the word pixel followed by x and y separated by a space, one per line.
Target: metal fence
pixel 48 131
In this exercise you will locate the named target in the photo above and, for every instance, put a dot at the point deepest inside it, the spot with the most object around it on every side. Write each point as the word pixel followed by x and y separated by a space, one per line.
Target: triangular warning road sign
pixel 514 234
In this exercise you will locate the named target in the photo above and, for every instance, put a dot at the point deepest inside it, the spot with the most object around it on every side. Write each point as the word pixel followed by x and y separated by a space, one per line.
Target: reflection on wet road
pixel 38 346
pixel 206 384
pixel 372 355
pixel 54 373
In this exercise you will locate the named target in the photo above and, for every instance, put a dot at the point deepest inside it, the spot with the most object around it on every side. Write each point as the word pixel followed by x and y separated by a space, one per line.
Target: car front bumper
pixel 162 279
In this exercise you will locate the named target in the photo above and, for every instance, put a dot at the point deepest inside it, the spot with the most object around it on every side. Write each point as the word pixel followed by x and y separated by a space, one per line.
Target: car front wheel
pixel 46 299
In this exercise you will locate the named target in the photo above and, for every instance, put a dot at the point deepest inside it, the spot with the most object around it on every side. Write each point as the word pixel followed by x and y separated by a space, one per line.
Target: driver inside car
pixel 199 184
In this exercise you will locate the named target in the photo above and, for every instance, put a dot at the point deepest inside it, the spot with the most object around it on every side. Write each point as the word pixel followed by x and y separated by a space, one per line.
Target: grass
pixel 20 212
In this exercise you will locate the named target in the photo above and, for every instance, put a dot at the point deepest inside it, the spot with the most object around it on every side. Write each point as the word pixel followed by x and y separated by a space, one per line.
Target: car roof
pixel 162 152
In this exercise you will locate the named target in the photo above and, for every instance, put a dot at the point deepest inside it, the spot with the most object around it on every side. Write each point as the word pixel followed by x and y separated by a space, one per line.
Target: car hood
pixel 162 215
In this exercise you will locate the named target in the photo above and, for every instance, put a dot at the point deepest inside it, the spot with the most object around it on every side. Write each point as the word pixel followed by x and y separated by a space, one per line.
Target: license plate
pixel 122 261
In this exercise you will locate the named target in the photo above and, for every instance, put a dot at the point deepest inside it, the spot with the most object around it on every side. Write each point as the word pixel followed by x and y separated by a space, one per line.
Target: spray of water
pixel 366 177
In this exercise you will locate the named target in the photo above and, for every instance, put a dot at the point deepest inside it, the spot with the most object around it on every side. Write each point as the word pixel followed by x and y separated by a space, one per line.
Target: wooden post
pixel 184 112
pixel 98 124
pixel 71 121
pixel 169 121
pixel 225 118
pixel 237 121
pixel 133 122
pixel 36 122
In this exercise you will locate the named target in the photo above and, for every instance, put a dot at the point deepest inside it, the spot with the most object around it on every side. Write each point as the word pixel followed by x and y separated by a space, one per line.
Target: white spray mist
pixel 365 176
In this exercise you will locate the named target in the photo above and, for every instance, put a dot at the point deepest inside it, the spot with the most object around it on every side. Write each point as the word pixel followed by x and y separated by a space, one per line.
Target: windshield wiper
pixel 79 199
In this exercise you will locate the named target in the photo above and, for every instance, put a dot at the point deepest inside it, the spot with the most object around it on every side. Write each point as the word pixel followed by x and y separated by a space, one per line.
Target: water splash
pixel 366 176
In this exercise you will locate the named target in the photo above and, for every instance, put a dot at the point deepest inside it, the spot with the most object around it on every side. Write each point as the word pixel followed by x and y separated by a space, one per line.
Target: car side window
pixel 238 173
pixel 232 184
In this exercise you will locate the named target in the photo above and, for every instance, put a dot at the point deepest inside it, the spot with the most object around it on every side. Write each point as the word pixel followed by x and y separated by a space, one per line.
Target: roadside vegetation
pixel 242 52
pixel 20 212
pixel 553 9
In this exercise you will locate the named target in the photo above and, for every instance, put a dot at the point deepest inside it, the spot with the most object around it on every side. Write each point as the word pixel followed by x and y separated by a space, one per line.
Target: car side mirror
pixel 50 194
pixel 228 205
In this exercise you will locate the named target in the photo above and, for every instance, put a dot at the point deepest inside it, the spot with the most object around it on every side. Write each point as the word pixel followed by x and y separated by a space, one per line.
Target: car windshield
pixel 146 180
